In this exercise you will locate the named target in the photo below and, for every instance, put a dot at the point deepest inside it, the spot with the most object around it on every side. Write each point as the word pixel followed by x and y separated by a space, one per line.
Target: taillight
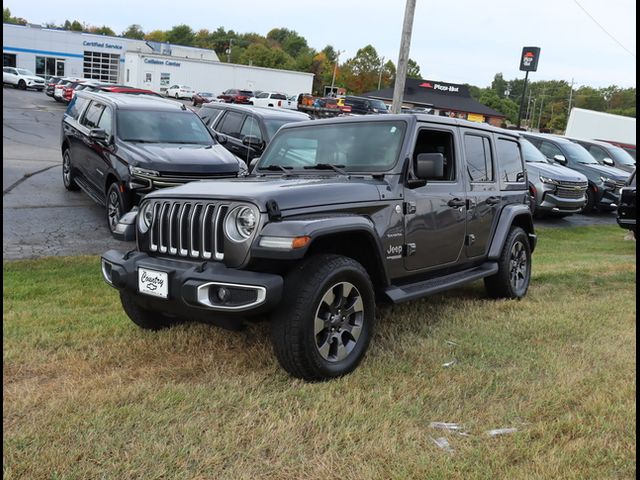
pixel 279 103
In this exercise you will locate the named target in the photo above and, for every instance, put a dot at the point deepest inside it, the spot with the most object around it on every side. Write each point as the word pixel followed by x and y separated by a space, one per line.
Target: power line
pixel 604 29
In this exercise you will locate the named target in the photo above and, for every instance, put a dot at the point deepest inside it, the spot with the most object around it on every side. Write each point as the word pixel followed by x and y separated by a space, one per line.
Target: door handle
pixel 456 203
pixel 492 200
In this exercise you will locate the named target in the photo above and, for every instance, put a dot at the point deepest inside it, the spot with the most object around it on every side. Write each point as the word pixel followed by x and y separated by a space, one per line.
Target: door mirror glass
pixel 560 159
pixel 429 166
pixel 608 161
pixel 98 134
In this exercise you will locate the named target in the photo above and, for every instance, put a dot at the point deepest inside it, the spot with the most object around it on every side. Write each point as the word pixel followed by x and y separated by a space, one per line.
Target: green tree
pixel 413 69
pixel 134 31
pixel 360 73
pixel 156 36
pixel 181 35
pixel 7 18
pixel 499 85
pixel 76 26
pixel 263 56
pixel 103 30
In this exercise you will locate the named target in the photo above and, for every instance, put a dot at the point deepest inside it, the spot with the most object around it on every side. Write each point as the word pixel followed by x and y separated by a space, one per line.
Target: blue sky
pixel 466 41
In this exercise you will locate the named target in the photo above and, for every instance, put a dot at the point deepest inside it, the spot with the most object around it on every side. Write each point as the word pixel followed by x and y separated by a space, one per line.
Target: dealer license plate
pixel 152 282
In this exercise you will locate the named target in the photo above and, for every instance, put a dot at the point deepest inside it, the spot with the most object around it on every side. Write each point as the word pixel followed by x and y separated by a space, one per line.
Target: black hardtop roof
pixel 124 101
pixel 410 117
pixel 264 112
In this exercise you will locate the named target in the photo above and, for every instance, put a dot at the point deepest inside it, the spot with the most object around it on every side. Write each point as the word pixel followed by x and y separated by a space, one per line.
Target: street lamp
pixel 335 68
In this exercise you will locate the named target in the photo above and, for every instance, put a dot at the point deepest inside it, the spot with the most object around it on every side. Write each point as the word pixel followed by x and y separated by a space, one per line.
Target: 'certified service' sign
pixel 529 59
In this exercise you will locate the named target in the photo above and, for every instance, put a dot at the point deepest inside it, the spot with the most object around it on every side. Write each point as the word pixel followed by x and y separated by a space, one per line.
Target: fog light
pixel 223 294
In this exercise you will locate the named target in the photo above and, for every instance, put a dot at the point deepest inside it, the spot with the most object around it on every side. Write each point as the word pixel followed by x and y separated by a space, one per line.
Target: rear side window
pixel 76 106
pixel 231 124
pixel 510 161
pixel 479 158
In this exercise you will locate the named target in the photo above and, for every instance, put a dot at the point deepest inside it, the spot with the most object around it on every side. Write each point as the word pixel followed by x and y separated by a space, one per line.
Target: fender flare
pixel 511 214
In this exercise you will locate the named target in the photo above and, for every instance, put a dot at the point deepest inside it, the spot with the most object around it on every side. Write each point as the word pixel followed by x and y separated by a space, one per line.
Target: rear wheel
pixel 514 267
pixel 324 327
pixel 68 176
pixel 116 206
pixel 147 319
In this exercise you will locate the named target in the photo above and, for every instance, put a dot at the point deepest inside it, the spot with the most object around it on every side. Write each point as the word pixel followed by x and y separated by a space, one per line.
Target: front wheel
pixel 324 326
pixel 22 85
pixel 514 267
pixel 116 206
pixel 591 201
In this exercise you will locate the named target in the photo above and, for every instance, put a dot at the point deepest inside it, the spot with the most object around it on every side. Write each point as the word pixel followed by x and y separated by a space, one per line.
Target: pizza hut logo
pixel 438 86
pixel 426 85
pixel 528 58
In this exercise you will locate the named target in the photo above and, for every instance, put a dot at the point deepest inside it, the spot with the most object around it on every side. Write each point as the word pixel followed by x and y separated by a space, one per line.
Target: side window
pixel 77 104
pixel 92 115
pixel 432 141
pixel 510 161
pixel 597 152
pixel 251 127
pixel 479 158
pixel 263 95
pixel 106 121
pixel 549 149
pixel 231 124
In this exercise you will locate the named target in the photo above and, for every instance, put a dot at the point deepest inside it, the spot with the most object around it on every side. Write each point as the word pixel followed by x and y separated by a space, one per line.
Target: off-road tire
pixel 501 285
pixel 147 319
pixel 68 175
pixel 292 325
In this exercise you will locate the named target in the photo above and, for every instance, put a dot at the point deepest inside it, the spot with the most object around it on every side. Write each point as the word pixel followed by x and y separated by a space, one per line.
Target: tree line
pixel 546 103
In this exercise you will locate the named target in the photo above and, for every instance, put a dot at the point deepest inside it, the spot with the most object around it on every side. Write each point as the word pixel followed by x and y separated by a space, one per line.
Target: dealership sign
pixel 155 61
pixel 102 45
pixel 529 59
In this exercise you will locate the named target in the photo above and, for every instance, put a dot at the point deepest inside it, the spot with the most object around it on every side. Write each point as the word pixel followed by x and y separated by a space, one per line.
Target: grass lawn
pixel 87 395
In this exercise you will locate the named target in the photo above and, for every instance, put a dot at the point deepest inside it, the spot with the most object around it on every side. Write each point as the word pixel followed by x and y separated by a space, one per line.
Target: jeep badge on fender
pixel 336 215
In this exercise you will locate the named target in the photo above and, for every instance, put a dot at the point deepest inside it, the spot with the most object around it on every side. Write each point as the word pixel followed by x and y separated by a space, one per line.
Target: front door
pixel 435 214
pixel 484 193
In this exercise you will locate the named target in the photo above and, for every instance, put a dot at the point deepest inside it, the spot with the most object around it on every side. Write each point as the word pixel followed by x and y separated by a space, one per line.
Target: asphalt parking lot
pixel 41 218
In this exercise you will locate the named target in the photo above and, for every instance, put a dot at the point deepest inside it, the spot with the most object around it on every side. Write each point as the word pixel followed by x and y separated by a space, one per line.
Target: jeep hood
pixel 172 157
pixel 289 193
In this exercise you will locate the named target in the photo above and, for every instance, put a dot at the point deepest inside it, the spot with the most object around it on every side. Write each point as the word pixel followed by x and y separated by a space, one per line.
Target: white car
pixel 292 103
pixel 269 99
pixel 21 78
pixel 180 91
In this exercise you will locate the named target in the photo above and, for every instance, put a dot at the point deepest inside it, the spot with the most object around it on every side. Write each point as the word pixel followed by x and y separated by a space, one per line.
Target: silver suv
pixel 553 188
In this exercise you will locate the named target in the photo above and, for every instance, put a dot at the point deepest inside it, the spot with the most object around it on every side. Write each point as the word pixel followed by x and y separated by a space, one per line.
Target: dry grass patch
pixel 88 395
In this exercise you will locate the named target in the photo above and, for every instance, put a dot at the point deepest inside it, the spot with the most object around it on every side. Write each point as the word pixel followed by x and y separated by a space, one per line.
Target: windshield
pixel 579 154
pixel 152 126
pixel 621 156
pixel 531 153
pixel 355 147
pixel 22 71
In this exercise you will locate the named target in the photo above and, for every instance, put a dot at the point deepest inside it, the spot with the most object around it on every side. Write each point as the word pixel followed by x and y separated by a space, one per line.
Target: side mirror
pixel 560 159
pixel 252 141
pixel 429 165
pixel 253 163
pixel 608 161
pixel 222 139
pixel 98 134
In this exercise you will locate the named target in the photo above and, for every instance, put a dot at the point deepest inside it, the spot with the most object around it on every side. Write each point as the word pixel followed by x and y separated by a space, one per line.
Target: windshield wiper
pixel 327 166
pixel 277 167
pixel 138 140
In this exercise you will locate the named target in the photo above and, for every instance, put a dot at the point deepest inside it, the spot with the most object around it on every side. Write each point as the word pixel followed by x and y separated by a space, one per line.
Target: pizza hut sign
pixel 529 59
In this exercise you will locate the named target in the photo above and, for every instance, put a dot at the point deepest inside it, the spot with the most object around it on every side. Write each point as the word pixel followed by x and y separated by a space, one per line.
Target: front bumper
pixel 554 203
pixel 608 198
pixel 193 287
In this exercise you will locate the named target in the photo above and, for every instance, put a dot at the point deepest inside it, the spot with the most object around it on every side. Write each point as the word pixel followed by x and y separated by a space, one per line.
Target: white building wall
pixel 214 77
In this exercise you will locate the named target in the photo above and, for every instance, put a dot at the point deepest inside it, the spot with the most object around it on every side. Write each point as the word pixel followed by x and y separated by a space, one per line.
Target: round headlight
pixel 240 224
pixel 145 216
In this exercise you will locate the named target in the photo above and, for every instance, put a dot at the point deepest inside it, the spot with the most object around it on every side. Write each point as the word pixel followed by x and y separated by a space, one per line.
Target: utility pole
pixel 403 57
pixel 524 92
pixel 570 97
pixel 540 114
pixel 335 68
pixel 380 75
pixel 229 50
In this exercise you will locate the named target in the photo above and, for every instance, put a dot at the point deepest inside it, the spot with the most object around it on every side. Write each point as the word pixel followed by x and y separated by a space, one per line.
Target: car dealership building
pixel 138 63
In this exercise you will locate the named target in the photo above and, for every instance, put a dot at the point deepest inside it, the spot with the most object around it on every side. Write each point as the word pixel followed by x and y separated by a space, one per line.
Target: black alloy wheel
pixel 115 206
pixel 68 177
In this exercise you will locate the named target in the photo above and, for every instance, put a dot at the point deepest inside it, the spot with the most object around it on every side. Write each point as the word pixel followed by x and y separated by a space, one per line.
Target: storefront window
pixel 8 60
pixel 48 67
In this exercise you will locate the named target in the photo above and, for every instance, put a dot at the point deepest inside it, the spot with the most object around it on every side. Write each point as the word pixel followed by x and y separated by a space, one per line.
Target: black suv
pixel 246 130
pixel 627 205
pixel 604 181
pixel 607 154
pixel 117 148
pixel 337 215
pixel 365 106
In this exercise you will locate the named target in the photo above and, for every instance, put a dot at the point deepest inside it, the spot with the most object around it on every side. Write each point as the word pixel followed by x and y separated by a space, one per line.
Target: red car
pixel 202 97
pixel 126 89
pixel 234 95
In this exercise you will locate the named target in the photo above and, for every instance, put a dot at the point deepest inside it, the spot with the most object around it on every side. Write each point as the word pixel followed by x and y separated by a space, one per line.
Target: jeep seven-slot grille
pixel 571 189
pixel 188 229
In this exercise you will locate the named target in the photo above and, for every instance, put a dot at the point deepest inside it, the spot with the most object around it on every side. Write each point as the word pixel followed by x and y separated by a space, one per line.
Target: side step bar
pixel 89 190
pixel 412 291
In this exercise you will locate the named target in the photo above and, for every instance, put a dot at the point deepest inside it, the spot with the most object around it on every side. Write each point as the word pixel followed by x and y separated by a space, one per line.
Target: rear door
pixel 230 125
pixel 435 214
pixel 92 163
pixel 483 200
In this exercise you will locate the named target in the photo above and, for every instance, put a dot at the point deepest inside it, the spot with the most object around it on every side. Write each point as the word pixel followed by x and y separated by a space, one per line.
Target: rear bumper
pixel 194 287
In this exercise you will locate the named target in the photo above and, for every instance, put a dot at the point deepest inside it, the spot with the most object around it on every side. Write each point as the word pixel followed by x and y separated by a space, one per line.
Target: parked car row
pixel 64 89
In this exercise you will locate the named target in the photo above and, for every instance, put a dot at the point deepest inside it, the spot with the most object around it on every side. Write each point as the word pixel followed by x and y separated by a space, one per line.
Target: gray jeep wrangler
pixel 337 215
